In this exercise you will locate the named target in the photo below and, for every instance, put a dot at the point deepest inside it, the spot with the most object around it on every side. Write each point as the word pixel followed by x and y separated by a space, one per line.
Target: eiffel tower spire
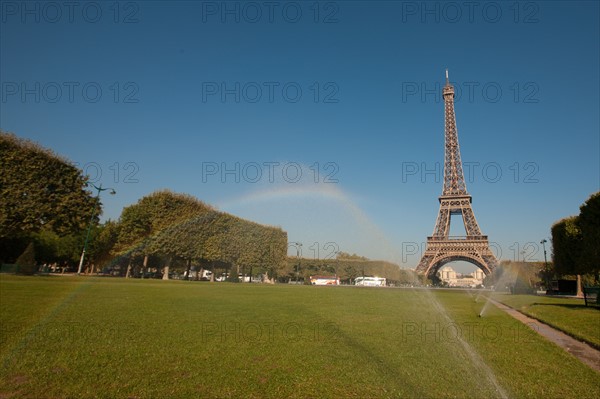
pixel 455 200
pixel 454 179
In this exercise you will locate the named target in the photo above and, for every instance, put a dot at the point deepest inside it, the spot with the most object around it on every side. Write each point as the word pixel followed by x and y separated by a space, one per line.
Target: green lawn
pixel 568 314
pixel 117 338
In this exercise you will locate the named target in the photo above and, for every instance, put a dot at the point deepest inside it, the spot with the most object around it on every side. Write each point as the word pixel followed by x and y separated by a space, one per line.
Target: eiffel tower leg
pixel 471 226
pixel 442 225
pixel 424 264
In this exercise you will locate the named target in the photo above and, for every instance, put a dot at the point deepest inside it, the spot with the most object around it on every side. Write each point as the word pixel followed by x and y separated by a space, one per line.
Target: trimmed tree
pixel 141 224
pixel 589 224
pixel 567 242
pixel 39 191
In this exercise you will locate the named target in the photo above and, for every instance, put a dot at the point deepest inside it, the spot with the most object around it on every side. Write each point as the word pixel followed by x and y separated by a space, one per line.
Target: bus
pixel 324 280
pixel 370 281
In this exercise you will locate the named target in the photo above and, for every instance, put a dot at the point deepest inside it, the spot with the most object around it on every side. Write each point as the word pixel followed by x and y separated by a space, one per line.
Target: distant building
pixel 454 279
pixel 370 281
pixel 324 280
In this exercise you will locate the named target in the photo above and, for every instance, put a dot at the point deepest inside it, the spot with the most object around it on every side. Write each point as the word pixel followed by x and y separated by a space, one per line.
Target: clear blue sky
pixel 191 88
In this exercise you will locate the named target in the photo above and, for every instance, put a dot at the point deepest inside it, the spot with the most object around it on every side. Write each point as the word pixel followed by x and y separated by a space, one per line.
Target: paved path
pixel 582 351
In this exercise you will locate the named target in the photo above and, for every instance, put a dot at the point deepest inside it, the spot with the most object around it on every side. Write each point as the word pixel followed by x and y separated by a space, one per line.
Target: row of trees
pixel 576 241
pixel 178 227
pixel 347 268
pixel 45 210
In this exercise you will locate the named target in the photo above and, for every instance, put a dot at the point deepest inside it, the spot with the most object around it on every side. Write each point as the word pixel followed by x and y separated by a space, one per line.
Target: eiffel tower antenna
pixel 455 200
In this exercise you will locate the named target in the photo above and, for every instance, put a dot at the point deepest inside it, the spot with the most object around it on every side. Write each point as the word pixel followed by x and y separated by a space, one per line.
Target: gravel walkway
pixel 582 351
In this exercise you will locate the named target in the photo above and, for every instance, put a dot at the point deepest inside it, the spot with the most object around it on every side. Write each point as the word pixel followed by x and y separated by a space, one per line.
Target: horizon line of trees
pixel 347 268
pixel 178 228
pixel 46 208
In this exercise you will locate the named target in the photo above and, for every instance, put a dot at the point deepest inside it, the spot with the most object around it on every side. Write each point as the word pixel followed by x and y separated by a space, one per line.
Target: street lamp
pixel 87 236
pixel 543 242
pixel 298 246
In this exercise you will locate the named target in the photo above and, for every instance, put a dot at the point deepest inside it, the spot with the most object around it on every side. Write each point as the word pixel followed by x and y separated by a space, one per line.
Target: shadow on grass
pixel 370 357
pixel 565 305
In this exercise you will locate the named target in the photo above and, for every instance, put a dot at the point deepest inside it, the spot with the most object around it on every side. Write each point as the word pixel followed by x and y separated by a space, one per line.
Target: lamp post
pixel 543 242
pixel 298 246
pixel 87 236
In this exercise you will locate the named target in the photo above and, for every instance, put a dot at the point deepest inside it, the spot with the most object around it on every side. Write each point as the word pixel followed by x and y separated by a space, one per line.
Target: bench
pixel 591 295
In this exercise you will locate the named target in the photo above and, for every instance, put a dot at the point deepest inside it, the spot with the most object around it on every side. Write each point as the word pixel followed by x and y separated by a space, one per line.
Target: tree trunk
pixel 212 274
pixel 189 266
pixel 128 273
pixel 579 289
pixel 145 266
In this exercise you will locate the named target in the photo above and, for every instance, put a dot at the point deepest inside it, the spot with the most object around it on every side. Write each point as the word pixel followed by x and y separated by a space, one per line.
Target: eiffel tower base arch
pixel 440 251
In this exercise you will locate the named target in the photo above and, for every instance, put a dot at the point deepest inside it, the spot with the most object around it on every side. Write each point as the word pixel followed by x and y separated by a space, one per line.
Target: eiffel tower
pixel 455 200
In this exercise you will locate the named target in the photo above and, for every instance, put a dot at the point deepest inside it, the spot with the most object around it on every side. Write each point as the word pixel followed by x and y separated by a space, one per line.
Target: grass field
pixel 94 337
pixel 568 314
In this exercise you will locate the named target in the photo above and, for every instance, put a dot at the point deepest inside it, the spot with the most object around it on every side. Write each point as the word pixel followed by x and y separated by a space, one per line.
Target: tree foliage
pixel 42 196
pixel 221 237
pixel 589 223
pixel 140 223
pixel 575 241
pixel 567 244
pixel 52 248
pixel 179 226
pixel 102 241
pixel 39 190
pixel 345 255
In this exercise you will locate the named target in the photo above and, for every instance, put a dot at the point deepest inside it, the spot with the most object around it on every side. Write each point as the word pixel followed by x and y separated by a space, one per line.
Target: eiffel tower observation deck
pixel 455 200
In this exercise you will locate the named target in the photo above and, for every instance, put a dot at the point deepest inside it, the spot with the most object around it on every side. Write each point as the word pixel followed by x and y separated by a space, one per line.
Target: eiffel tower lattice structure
pixel 455 200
